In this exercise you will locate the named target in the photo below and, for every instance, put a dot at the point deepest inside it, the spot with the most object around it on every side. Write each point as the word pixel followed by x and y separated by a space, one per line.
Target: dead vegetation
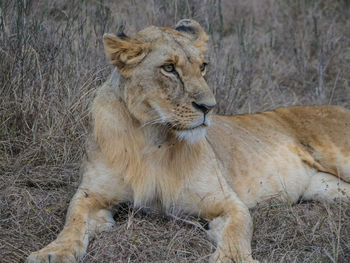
pixel 263 54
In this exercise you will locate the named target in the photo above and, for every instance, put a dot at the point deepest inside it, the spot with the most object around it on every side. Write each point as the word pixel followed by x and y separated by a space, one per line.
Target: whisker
pixel 151 122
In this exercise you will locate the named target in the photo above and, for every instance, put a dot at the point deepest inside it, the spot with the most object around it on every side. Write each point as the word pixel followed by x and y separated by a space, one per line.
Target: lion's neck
pixel 156 163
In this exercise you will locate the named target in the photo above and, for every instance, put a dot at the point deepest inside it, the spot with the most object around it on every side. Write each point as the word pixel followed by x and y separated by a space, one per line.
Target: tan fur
pixel 152 144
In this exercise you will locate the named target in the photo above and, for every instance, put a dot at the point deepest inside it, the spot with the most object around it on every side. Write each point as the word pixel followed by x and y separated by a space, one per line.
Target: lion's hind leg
pixel 327 187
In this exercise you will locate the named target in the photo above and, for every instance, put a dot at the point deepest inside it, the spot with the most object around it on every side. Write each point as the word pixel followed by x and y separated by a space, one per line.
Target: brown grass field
pixel 263 54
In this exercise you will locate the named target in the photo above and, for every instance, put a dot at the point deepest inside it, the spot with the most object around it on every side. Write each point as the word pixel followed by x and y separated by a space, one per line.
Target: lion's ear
pixel 192 30
pixel 124 52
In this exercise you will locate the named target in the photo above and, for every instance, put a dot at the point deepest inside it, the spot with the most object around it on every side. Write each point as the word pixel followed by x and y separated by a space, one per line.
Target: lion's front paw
pixel 221 258
pixel 228 260
pixel 68 252
pixel 50 257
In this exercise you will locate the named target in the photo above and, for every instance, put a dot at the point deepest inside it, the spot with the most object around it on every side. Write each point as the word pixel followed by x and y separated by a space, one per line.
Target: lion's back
pixel 299 122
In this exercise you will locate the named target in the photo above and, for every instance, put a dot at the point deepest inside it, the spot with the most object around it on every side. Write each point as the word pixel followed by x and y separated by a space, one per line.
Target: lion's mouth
pixel 179 128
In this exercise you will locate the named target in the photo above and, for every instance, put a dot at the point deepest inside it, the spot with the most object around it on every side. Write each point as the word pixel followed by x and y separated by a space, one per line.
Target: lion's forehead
pixel 153 34
pixel 178 55
pixel 169 42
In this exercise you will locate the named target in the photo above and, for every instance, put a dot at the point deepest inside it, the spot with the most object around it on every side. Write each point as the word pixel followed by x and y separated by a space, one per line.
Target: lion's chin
pixel 191 136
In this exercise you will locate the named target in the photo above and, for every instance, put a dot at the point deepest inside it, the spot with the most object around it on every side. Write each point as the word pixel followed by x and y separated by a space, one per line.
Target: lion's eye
pixel 169 68
pixel 203 68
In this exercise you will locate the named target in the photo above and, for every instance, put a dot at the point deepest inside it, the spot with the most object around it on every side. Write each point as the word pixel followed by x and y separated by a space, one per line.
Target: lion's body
pixel 154 146
pixel 276 153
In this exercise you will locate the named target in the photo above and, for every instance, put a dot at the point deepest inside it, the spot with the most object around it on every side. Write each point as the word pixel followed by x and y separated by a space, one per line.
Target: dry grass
pixel 263 54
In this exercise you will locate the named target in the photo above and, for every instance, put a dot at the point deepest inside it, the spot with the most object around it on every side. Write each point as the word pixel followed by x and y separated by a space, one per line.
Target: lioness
pixel 155 143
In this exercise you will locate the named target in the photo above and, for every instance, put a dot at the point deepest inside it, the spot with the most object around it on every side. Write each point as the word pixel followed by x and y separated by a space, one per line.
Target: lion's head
pixel 164 71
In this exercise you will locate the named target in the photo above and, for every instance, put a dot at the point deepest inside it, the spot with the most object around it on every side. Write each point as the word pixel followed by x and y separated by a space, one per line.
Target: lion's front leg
pixel 231 225
pixel 232 231
pixel 87 214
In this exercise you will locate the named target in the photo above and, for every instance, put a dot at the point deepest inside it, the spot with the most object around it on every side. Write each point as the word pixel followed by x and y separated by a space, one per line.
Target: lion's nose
pixel 205 108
